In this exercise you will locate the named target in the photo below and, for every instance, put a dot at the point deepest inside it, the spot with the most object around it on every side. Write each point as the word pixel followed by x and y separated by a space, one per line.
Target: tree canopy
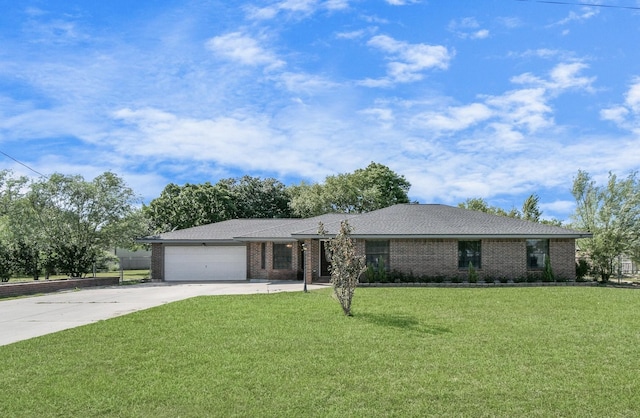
pixel 611 213
pixel 180 207
pixel 64 223
pixel 364 190
pixel 530 209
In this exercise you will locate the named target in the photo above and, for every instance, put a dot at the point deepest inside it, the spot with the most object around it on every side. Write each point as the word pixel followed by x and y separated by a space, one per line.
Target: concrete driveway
pixel 24 318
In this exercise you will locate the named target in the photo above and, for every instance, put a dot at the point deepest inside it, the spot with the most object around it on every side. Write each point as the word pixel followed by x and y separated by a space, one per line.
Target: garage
pixel 205 263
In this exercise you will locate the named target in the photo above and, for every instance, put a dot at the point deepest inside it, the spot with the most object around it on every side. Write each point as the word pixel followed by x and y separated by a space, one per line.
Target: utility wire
pixel 23 164
pixel 610 6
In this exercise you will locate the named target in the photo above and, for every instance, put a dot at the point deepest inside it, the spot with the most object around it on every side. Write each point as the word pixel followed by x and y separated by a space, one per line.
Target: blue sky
pixel 495 99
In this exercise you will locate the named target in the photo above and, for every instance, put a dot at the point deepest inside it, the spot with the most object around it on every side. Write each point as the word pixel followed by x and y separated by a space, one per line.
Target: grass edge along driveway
pixel 405 352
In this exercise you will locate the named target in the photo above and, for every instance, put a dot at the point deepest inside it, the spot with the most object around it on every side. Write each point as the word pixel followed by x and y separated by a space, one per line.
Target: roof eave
pixel 265 239
pixel 187 241
pixel 450 236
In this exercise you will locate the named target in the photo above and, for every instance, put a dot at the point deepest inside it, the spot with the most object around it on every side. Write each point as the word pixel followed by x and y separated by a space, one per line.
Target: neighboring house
pixel 428 240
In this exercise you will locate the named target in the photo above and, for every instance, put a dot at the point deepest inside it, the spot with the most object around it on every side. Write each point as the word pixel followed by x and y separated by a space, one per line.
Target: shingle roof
pixel 426 221
pixel 285 230
pixel 399 221
pixel 235 230
pixel 218 231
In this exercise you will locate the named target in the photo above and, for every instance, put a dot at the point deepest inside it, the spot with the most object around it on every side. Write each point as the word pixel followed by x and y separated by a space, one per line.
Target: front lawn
pixel 564 351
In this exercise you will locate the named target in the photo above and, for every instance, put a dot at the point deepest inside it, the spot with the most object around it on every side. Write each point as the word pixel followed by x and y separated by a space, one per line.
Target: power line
pixel 23 164
pixel 609 6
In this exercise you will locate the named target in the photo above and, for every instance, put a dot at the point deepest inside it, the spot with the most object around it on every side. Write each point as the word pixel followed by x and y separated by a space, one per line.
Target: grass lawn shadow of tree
pixel 403 322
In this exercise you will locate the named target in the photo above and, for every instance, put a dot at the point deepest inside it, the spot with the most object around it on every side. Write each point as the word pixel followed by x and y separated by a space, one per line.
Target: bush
pixel 547 272
pixel 472 274
pixel 582 269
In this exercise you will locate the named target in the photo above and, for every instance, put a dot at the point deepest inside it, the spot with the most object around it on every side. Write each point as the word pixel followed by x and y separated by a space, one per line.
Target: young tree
pixel 346 265
pixel 612 214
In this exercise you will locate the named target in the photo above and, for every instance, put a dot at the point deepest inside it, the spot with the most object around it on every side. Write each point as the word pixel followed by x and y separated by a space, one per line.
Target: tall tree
pixel 180 207
pixel 308 199
pixel 258 198
pixel 364 190
pixel 74 220
pixel 12 231
pixel 612 214
pixel 481 205
pixel 530 209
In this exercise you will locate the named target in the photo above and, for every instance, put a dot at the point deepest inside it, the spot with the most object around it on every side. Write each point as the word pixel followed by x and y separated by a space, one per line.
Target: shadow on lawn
pixel 405 322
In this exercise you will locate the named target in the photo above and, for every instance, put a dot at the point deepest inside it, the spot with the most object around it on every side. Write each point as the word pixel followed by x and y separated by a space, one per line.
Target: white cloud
pixel 586 14
pixel 524 109
pixel 456 118
pixel 401 2
pixel 481 34
pixel 305 83
pixel 468 28
pixel 384 117
pixel 296 8
pixel 354 34
pixel 626 115
pixel 562 206
pixel 509 22
pixel 632 98
pixel 562 77
pixel 408 61
pixel 244 49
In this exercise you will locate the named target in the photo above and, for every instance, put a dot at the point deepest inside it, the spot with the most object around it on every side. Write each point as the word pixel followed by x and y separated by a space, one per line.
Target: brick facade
pixel 157 262
pixel 562 253
pixel 500 258
pixel 503 258
pixel 255 258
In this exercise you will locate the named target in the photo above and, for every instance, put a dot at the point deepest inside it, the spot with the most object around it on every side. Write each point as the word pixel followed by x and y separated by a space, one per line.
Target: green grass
pixel 406 352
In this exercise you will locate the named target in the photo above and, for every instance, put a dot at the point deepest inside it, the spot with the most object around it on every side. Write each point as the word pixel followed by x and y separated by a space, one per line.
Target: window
pixel 263 255
pixel 537 253
pixel 469 252
pixel 377 252
pixel 282 256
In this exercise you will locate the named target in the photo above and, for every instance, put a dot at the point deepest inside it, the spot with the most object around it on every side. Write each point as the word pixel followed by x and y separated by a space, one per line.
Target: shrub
pixel 582 269
pixel 472 273
pixel 547 272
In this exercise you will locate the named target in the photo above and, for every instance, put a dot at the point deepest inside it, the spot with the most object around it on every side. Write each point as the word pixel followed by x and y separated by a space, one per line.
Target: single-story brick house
pixel 421 239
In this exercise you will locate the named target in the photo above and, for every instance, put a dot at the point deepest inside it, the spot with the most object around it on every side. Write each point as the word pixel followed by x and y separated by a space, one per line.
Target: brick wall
pixel 254 263
pixel 503 258
pixel 562 254
pixel 157 262
pixel 48 286
pixel 424 257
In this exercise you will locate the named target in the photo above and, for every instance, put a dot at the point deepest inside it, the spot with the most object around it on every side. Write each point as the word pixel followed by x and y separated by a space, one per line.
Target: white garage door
pixel 205 263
